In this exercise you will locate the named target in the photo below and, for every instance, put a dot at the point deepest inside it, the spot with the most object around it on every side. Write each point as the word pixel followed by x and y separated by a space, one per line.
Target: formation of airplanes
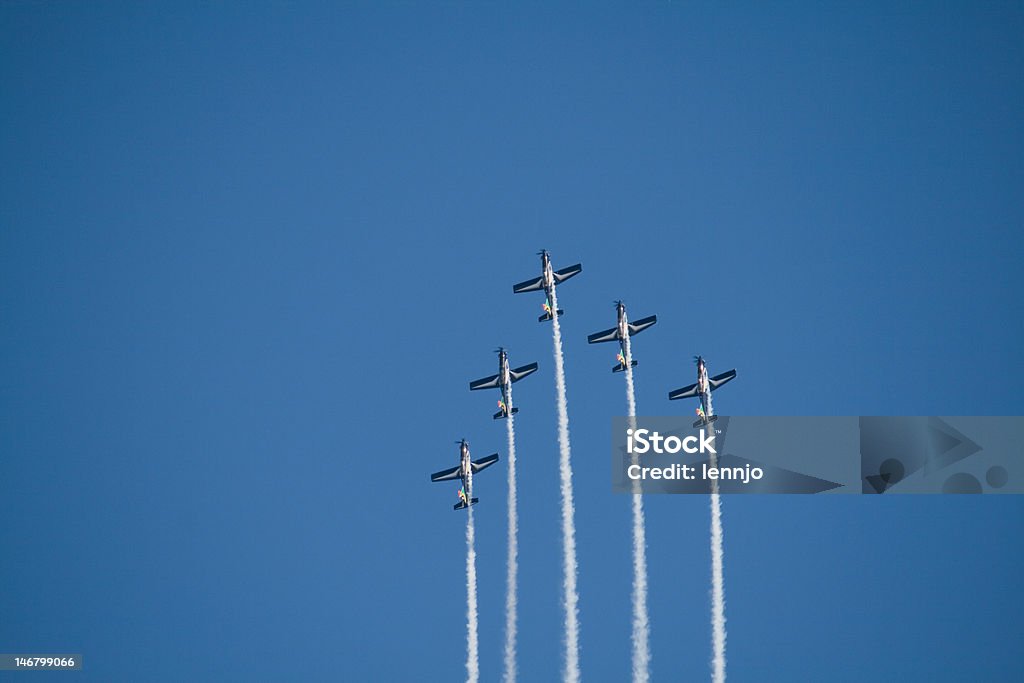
pixel 503 380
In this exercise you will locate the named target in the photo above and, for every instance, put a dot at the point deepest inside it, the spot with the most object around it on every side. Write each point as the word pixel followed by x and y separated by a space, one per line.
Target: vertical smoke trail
pixel 570 596
pixel 511 597
pixel 630 396
pixel 717 587
pixel 641 622
pixel 472 643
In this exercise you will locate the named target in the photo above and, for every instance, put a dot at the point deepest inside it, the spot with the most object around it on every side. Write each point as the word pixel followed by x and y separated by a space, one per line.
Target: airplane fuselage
pixel 548 273
pixel 704 389
pixel 505 377
pixel 503 371
pixel 623 323
pixel 466 470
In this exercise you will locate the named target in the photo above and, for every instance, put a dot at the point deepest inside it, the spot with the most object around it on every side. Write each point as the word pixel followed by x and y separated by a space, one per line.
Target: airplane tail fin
pixel 704 421
pixel 548 316
pixel 620 367
pixel 501 413
pixel 461 506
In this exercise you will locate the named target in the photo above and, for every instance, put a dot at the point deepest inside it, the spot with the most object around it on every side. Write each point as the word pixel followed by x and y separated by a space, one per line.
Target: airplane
pixel 623 329
pixel 547 281
pixel 503 380
pixel 703 389
pixel 465 471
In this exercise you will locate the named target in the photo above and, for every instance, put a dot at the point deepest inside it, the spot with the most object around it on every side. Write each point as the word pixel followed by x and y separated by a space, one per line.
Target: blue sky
pixel 250 258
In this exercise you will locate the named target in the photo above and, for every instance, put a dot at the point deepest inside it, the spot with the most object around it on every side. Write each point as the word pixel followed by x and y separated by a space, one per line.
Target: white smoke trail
pixel 569 568
pixel 717 586
pixel 511 596
pixel 472 643
pixel 630 396
pixel 641 622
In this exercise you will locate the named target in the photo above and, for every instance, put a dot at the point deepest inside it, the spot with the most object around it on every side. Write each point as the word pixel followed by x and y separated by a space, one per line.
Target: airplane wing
pixel 445 475
pixel 641 325
pixel 685 392
pixel 522 372
pixel 485 383
pixel 566 273
pixel 606 336
pixel 529 285
pixel 719 380
pixel 484 462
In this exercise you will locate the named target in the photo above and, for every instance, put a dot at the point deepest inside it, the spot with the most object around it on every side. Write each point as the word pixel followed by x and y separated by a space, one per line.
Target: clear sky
pixel 251 256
